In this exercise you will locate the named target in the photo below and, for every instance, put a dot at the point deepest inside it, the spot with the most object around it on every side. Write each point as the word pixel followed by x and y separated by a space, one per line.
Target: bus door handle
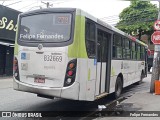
pixel 39 52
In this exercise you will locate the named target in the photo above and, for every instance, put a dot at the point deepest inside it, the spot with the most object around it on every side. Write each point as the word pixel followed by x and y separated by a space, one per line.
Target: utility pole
pixel 47 4
pixel 3 2
pixel 156 62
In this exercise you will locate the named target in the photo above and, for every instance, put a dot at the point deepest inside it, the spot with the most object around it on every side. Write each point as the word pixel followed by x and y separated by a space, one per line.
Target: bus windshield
pixel 51 27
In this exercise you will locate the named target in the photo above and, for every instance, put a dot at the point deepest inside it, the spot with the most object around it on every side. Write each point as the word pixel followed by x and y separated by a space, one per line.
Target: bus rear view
pixel 71 54
pixel 41 62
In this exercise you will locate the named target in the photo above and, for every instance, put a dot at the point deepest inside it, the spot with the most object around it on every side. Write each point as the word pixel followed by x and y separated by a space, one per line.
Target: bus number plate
pixel 39 80
pixel 52 58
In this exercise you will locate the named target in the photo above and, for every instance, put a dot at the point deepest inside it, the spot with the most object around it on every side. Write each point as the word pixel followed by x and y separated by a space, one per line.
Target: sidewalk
pixel 142 101
pixel 138 102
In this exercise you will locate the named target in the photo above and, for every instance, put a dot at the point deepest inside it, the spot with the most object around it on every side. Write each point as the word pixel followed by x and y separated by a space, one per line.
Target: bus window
pixel 138 51
pixel 126 49
pixel 117 48
pixel 134 57
pixel 142 53
pixel 56 28
pixel 90 38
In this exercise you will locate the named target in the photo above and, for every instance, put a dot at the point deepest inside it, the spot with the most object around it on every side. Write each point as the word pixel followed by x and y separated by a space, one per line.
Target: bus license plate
pixel 39 80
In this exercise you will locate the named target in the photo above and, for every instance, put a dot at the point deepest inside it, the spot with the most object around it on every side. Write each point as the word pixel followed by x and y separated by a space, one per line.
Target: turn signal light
pixel 15 68
pixel 15 64
pixel 71 66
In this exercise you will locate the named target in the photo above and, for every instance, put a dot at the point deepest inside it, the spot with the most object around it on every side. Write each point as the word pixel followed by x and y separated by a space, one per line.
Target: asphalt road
pixel 11 100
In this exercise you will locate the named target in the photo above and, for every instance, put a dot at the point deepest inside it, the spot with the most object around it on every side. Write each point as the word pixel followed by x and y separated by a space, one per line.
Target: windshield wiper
pixel 31 39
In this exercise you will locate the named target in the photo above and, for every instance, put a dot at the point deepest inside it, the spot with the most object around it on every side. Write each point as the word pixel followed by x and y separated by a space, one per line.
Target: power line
pixel 34 7
pixel 110 17
pixel 27 6
pixel 40 5
pixel 129 17
pixel 137 16
pixel 111 20
pixel 13 3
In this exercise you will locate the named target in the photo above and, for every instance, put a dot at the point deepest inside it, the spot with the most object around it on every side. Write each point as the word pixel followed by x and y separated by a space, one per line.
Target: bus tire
pixel 118 87
pixel 141 79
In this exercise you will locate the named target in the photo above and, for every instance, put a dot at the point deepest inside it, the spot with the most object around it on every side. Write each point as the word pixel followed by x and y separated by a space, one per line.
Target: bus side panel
pixel 98 79
pixel 112 83
pixel 139 67
pixel 82 77
pixel 134 71
pixel 137 71
pixel 87 78
pixel 115 70
pixel 91 80
pixel 72 91
pixel 128 71
pixel 78 50
pixel 131 71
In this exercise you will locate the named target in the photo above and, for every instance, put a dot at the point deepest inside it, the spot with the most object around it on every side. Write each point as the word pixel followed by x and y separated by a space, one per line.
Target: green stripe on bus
pixel 112 71
pixel 78 48
pixel 16 45
pixel 89 74
pixel 16 48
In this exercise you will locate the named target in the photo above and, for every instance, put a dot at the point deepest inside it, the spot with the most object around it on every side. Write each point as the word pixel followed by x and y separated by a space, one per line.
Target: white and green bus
pixel 67 53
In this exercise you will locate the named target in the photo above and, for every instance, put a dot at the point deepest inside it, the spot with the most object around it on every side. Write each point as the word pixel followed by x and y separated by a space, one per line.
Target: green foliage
pixel 139 16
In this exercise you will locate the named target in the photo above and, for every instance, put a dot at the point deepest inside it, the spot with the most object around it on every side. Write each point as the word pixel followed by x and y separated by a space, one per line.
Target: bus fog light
pixel 69 80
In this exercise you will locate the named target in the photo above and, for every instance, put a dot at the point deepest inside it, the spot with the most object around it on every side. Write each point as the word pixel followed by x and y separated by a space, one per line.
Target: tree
pixel 138 18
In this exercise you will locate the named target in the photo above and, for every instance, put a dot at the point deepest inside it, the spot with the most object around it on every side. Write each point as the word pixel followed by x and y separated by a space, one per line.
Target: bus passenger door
pixel 103 54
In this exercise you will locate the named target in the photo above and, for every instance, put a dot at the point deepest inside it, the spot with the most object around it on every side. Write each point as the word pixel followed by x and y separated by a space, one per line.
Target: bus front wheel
pixel 118 87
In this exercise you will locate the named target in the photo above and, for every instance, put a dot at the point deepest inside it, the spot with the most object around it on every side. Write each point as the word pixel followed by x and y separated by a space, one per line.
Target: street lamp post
pixel 156 63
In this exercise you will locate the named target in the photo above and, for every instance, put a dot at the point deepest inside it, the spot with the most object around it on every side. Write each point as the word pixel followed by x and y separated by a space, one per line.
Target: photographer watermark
pixel 21 114
pixel 41 36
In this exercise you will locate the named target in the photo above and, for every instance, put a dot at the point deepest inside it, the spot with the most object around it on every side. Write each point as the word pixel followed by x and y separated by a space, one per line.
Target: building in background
pixel 8 26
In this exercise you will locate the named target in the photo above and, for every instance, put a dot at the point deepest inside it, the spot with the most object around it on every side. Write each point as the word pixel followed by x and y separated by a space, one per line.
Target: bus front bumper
pixel 71 92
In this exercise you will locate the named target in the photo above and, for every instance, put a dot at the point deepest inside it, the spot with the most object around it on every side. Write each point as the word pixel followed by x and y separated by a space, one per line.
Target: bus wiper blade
pixel 32 39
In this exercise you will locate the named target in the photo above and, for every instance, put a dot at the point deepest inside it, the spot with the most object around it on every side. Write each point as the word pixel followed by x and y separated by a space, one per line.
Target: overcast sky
pixel 98 8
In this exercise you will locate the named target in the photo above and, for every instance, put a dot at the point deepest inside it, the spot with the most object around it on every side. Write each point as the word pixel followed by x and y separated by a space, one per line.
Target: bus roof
pixel 83 13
